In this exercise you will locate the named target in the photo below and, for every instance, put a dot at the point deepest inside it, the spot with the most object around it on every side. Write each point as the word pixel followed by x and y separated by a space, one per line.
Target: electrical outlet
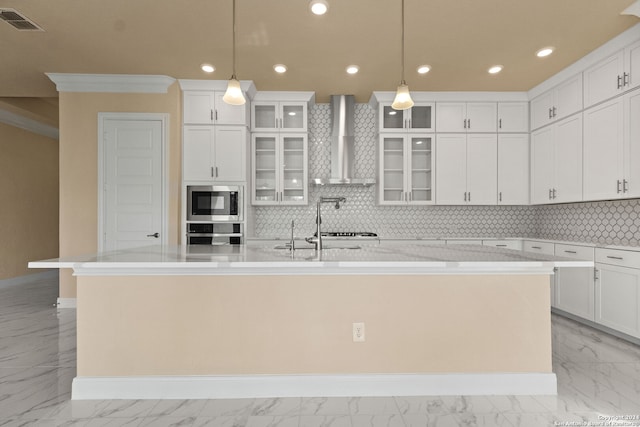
pixel 358 332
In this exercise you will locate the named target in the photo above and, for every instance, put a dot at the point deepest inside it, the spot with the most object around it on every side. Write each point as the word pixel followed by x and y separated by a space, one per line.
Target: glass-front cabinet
pixel 405 169
pixel 418 119
pixel 282 116
pixel 279 172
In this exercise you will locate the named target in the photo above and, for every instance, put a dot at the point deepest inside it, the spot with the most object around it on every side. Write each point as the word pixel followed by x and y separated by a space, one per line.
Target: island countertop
pixel 265 259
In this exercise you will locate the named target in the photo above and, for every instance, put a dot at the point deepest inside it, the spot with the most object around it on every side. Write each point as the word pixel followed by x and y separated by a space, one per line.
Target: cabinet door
pixel 293 116
pixel 618 298
pixel 264 116
pixel 199 107
pixel 419 169
pixel 568 97
pixel 451 169
pixel 482 116
pixel 575 287
pixel 482 169
pixel 568 160
pixel 631 151
pixel 198 153
pixel 632 65
pixel 390 119
pixel 226 114
pixel 229 155
pixel 420 117
pixel 513 117
pixel 603 142
pixel 541 110
pixel 604 79
pixel 542 165
pixel 392 190
pixel 264 171
pixel 513 169
pixel 451 117
pixel 293 169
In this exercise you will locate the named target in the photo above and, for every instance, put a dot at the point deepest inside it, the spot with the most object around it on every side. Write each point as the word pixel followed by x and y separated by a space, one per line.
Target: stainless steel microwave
pixel 214 203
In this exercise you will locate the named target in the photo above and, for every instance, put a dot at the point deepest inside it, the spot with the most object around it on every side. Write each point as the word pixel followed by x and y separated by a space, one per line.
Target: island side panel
pixel 247 325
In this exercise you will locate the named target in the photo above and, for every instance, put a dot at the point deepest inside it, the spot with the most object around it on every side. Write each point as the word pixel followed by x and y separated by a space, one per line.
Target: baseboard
pixel 28 278
pixel 66 303
pixel 261 386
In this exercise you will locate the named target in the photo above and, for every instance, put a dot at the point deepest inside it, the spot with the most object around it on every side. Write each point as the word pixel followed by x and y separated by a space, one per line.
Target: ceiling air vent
pixel 18 21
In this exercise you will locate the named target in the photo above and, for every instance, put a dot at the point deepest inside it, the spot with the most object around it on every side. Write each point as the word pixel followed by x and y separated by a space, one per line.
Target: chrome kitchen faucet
pixel 317 239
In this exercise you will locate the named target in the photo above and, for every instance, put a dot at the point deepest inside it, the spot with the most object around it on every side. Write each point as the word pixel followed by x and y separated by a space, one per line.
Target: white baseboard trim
pixel 261 386
pixel 66 303
pixel 28 278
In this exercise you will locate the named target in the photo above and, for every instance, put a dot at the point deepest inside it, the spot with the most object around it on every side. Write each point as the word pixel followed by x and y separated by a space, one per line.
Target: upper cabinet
pixel 513 169
pixel 280 111
pixel 612 75
pixel 214 153
pixel 557 103
pixel 466 117
pixel 418 119
pixel 513 117
pixel 612 169
pixel 206 107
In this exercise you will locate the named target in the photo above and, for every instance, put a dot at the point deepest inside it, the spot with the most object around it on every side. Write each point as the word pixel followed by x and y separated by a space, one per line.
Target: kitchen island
pixel 254 321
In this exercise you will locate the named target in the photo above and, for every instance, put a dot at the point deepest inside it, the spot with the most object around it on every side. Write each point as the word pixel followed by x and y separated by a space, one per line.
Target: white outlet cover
pixel 358 332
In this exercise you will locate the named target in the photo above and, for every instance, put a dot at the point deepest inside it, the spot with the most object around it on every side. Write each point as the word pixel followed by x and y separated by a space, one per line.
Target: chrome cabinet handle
pixel 501 246
pixel 211 115
pixel 550 194
pixel 536 247
pixel 156 235
pixel 500 196
pixel 469 195
pixel 554 193
pixel 554 111
pixel 216 172
pixel 571 252
pixel 465 196
pixel 550 112
pixel 596 275
pixel 212 172
pixel 625 79
pixel 615 257
pixel 468 123
pixel 619 82
pixel 499 123
pixel 618 189
pixel 625 186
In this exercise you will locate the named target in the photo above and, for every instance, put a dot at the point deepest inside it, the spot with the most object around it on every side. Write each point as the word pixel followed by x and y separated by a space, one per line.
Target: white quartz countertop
pixel 264 258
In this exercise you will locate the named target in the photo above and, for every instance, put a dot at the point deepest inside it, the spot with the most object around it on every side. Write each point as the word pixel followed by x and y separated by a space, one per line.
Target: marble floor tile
pixel 598 376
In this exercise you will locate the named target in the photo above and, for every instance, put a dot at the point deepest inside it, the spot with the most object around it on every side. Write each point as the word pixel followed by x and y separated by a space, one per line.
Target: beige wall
pixel 79 166
pixel 235 325
pixel 28 199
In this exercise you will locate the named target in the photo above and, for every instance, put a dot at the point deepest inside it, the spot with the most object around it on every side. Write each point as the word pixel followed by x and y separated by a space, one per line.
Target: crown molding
pixel 114 83
pixel 248 87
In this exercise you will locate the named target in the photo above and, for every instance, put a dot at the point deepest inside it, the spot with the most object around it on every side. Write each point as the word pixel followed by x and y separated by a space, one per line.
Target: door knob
pixel 156 235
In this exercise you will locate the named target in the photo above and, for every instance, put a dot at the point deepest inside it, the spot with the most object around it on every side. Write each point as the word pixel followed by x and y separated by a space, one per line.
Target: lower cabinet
pixel 617 290
pixel 574 287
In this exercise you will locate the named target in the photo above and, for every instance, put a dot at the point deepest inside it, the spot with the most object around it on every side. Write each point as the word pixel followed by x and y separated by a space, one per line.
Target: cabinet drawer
pixel 506 244
pixel 575 252
pixel 618 257
pixel 546 248
pixel 464 242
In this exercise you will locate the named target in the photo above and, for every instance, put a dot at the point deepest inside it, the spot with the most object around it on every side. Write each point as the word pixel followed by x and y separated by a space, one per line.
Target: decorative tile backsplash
pixel 600 222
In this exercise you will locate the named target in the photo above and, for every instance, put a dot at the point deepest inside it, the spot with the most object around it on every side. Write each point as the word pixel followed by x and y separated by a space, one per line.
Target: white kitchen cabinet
pixel 612 149
pixel 279 116
pixel 206 107
pixel 557 103
pixel 617 296
pixel 417 119
pixel 613 75
pixel 575 286
pixel 513 117
pixel 279 174
pixel 513 169
pixel 214 153
pixel 405 169
pixel 466 117
pixel 556 162
pixel 546 248
pixel 466 169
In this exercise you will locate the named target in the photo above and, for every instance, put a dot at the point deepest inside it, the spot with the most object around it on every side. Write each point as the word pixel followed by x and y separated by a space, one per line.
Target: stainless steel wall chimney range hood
pixel 342 144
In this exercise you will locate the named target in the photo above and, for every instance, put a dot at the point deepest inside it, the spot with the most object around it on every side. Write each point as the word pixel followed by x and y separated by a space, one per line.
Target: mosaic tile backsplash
pixel 599 222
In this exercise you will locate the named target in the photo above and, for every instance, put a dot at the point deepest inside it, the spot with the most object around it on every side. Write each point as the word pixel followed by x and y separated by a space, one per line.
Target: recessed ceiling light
pixel 423 69
pixel 280 68
pixel 495 69
pixel 319 7
pixel 353 69
pixel 207 68
pixel 545 51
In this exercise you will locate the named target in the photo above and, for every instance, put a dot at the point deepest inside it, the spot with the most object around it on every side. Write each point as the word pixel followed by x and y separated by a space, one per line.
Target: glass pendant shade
pixel 403 100
pixel 233 95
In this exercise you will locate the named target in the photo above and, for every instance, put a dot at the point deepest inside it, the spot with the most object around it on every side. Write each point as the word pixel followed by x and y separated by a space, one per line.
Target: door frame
pixel 164 182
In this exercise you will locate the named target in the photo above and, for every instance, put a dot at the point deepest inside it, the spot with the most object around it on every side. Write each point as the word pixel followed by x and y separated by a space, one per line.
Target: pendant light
pixel 403 100
pixel 233 95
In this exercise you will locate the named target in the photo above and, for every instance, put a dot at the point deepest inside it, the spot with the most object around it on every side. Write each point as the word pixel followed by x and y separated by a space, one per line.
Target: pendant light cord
pixel 402 77
pixel 233 44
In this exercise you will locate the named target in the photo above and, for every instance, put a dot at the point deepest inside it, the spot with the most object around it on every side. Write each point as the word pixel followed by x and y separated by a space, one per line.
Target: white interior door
pixel 132 211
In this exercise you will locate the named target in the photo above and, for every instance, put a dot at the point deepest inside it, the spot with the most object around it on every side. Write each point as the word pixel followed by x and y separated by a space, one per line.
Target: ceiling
pixel 460 39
